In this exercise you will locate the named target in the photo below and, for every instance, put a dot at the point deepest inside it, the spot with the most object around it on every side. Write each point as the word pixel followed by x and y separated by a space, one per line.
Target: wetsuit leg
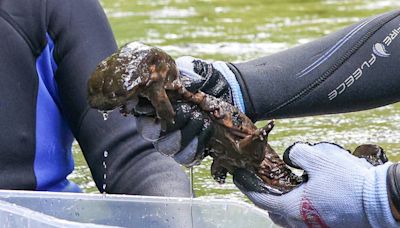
pixel 353 69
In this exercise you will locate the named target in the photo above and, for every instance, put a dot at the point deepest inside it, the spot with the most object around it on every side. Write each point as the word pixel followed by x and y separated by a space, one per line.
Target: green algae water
pixel 238 30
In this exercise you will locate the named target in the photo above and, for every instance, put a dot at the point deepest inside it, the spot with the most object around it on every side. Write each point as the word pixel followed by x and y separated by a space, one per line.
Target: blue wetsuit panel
pixel 53 157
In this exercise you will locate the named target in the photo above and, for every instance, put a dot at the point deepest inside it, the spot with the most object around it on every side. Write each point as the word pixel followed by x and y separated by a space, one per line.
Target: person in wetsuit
pixel 48 49
pixel 353 69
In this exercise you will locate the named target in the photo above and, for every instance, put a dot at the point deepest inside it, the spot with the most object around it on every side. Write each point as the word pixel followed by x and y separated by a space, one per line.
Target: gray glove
pixel 342 190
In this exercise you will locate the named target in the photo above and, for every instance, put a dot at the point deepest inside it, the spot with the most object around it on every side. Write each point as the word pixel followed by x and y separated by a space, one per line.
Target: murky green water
pixel 235 30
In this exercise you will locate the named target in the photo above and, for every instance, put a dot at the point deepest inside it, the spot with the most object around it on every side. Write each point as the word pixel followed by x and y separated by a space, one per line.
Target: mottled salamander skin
pixel 374 154
pixel 138 72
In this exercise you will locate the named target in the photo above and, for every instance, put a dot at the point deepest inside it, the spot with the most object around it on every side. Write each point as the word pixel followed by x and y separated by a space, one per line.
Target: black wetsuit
pixel 353 69
pixel 48 49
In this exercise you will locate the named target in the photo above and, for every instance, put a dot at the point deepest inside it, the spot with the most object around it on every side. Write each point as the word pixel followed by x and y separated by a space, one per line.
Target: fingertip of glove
pixel 248 182
pixel 149 128
pixel 169 144
pixel 286 157
pixel 322 145
pixel 183 60
pixel 303 150
pixel 188 154
pixel 295 151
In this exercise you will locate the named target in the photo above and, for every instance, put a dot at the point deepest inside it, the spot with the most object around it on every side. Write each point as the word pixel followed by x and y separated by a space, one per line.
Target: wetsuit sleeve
pixel 353 69
pixel 83 38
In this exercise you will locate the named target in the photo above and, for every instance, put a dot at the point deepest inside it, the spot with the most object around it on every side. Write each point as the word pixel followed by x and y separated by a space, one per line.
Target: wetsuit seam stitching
pixel 20 31
pixel 43 8
pixel 315 84
pixel 34 120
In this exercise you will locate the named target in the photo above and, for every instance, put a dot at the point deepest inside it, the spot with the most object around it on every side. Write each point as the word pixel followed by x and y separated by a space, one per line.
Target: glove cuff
pixel 375 198
pixel 233 83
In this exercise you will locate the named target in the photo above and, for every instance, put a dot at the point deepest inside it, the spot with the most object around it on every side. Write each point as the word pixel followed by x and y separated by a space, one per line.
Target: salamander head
pixel 134 70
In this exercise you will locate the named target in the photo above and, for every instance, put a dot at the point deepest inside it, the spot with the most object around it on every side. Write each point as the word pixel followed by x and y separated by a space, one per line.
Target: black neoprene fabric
pixel 301 81
pixel 82 38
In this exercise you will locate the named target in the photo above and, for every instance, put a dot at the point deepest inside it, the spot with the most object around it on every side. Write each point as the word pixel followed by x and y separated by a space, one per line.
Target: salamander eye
pixel 111 95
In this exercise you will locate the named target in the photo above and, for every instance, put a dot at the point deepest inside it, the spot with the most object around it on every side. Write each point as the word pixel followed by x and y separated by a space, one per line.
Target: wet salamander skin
pixel 139 71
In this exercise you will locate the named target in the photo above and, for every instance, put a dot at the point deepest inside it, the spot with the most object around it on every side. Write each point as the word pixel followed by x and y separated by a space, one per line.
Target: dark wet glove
pixel 342 190
pixel 213 78
pixel 186 139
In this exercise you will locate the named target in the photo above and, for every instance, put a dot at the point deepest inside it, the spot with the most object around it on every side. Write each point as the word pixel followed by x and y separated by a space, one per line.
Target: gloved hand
pixel 185 139
pixel 342 190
